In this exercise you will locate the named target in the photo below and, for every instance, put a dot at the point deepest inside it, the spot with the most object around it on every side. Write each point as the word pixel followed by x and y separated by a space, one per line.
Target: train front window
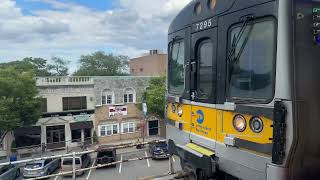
pixel 176 68
pixel 251 69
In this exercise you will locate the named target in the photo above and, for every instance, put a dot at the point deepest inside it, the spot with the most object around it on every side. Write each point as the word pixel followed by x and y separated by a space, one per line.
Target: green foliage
pixel 95 137
pixel 18 105
pixel 101 64
pixel 58 67
pixel 155 96
pixel 39 66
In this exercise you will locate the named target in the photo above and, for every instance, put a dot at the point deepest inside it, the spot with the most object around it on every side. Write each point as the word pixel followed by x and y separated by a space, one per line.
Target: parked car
pixel 105 155
pixel 159 150
pixel 41 168
pixel 81 161
pixel 9 172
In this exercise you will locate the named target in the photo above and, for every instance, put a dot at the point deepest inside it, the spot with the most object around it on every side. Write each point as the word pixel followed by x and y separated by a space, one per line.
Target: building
pixel 152 64
pixel 68 105
pixel 117 114
pixel 76 109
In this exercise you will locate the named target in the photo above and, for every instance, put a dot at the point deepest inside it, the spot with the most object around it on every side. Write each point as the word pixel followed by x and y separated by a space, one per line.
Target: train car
pixel 243 97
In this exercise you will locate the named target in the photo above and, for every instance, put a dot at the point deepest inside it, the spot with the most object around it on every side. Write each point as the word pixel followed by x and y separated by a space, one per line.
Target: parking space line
pixel 57 177
pixel 120 164
pixel 93 164
pixel 147 159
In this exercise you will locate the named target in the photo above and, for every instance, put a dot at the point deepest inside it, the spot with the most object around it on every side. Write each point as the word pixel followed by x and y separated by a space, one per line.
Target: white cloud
pixel 70 30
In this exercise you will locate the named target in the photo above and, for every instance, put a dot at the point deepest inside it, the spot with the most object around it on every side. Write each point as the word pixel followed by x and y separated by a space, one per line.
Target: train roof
pixel 187 15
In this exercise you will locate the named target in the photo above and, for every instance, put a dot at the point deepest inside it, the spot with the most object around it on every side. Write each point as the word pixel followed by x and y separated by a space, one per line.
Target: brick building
pixel 117 116
pixel 152 64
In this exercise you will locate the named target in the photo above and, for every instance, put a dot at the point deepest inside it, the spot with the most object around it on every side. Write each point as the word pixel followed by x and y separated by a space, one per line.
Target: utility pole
pixel 145 111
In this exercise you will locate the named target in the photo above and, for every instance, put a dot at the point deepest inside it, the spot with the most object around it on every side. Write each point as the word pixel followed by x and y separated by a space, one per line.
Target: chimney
pixel 153 52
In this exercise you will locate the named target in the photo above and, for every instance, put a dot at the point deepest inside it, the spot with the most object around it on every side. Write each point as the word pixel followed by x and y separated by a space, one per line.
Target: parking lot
pixel 128 170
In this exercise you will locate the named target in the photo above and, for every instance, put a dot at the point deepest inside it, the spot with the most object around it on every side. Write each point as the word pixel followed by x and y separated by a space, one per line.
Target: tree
pixel 155 96
pixel 101 64
pixel 58 67
pixel 37 65
pixel 18 103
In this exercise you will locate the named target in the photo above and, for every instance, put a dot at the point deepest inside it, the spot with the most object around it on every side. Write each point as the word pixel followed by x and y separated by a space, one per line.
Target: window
pixel 74 103
pixel 43 105
pixel 128 127
pixel 102 130
pixel 107 97
pixel 76 135
pixel 251 72
pixel 108 130
pixel 141 69
pixel 205 72
pixel 176 68
pixel 132 70
pixel 129 96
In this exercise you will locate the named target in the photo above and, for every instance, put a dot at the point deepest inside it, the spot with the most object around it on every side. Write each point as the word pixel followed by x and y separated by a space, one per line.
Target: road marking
pixel 93 164
pixel 173 159
pixel 147 159
pixel 56 178
pixel 120 165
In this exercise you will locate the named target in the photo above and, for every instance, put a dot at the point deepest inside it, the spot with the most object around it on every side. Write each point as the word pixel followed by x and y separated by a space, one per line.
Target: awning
pixel 27 130
pixel 81 125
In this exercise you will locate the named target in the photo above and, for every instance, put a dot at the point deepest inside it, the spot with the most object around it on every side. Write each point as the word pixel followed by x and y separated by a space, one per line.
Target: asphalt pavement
pixel 128 170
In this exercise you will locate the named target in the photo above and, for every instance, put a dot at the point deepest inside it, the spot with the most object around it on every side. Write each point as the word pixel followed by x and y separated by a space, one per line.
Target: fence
pixel 75 154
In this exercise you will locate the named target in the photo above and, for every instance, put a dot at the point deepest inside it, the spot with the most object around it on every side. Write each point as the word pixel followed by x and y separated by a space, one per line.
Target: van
pixel 105 155
pixel 81 161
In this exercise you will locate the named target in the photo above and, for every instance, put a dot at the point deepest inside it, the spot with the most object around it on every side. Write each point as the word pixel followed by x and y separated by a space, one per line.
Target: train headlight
pixel 173 108
pixel 256 124
pixel 239 123
pixel 180 111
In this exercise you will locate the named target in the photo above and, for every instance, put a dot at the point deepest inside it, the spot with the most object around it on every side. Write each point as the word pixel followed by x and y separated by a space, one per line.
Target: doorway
pixel 55 137
pixel 153 127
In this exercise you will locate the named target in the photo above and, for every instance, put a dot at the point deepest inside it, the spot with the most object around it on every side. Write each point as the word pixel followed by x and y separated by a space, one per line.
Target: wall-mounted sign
pixel 118 111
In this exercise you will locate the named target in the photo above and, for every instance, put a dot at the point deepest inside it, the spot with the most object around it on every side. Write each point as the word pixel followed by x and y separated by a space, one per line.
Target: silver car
pixel 9 172
pixel 40 168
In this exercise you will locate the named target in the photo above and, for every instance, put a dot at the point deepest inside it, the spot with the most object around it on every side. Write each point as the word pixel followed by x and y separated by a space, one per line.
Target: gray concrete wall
pixel 118 86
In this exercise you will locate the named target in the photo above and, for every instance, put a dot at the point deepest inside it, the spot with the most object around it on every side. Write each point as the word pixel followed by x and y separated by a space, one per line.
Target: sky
pixel 71 28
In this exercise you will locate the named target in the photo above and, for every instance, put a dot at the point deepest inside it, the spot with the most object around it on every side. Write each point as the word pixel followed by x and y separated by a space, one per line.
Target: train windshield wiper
pixel 232 57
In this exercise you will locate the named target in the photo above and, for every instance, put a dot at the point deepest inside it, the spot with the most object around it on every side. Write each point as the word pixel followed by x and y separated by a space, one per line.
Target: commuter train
pixel 243 99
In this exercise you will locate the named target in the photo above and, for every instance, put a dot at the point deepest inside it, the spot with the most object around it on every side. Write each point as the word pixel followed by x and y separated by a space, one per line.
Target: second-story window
pixel 107 97
pixel 129 96
pixel 74 103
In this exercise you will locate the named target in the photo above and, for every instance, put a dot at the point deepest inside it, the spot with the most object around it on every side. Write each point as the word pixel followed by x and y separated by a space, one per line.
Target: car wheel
pixel 18 173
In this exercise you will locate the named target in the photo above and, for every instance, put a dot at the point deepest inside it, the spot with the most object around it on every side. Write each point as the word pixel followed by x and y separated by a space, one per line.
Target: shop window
pixel 76 135
pixel 129 127
pixel 108 130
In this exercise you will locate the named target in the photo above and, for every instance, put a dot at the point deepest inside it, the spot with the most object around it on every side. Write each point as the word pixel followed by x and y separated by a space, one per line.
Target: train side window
pixel 252 69
pixel 205 72
pixel 176 67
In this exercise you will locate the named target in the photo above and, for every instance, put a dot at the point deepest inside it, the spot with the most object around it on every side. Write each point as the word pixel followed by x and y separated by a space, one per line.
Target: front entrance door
pixel 55 137
pixel 203 86
pixel 153 128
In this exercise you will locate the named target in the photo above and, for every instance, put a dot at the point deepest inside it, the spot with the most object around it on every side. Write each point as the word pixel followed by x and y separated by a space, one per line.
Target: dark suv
pixel 159 150
pixel 105 155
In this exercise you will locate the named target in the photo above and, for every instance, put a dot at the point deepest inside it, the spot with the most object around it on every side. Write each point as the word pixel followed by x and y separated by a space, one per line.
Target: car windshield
pixel 34 165
pixel 161 144
pixel 4 169
pixel 69 161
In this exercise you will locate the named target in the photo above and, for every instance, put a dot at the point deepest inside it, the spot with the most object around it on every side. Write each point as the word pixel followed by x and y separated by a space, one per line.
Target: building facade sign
pixel 118 111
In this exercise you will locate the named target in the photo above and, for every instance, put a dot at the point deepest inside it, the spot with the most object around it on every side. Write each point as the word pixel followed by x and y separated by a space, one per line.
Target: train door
pixel 203 86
